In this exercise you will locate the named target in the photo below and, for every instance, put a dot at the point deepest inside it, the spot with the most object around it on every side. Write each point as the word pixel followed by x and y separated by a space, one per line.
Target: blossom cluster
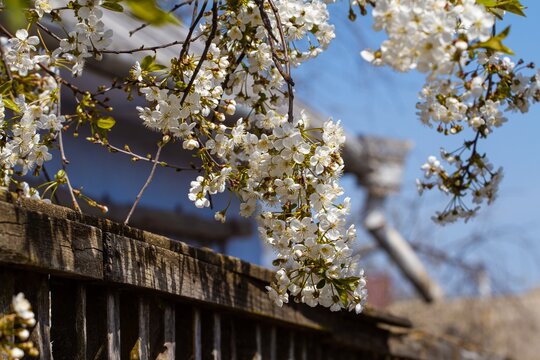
pixel 470 85
pixel 282 170
pixel 86 39
pixel 430 36
pixel 15 329
pixel 33 121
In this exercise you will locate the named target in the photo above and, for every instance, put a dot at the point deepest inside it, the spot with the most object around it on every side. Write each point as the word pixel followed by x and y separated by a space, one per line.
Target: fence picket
pixel 144 326
pixel 273 341
pixel 80 322
pixel 197 343
pixel 36 289
pixel 169 331
pixel 113 325
pixel 7 290
pixel 217 337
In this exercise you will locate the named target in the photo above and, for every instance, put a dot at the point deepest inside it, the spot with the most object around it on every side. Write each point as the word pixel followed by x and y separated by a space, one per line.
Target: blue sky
pixel 376 101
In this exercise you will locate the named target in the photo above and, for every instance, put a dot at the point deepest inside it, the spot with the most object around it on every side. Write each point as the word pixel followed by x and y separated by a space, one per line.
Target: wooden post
pixel 197 343
pixel 258 343
pixel 80 322
pixel 216 352
pixel 304 349
pixel 291 346
pixel 7 290
pixel 113 325
pixel 273 341
pixel 233 341
pixel 144 328
pixel 169 331
pixel 36 288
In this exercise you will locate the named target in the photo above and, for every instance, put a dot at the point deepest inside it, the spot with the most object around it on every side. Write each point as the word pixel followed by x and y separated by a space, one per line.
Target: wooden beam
pixel 399 250
pixel 35 240
pixel 136 263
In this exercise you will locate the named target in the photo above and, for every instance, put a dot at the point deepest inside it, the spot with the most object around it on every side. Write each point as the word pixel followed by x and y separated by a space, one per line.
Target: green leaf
pixel 5 87
pixel 512 6
pixel 150 12
pixel 113 6
pixel 11 105
pixel 147 62
pixel 106 123
pixel 495 43
pixel 321 284
pixel 156 67
pixel 14 13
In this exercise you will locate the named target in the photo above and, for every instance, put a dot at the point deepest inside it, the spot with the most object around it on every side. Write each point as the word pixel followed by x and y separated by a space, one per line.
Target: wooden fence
pixel 102 290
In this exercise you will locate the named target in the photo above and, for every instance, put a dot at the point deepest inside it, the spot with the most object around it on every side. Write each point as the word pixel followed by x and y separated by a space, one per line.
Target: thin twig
pixel 148 181
pixel 48 31
pixel 204 53
pixel 195 20
pixel 63 154
pixel 286 74
pixel 143 48
pixel 288 79
pixel 68 182
pixel 113 148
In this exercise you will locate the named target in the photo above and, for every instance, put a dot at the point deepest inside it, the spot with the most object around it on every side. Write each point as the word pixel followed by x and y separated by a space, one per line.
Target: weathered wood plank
pixel 291 345
pixel 96 322
pixel 273 343
pixel 216 352
pixel 113 325
pixel 133 262
pixel 258 343
pixel 80 322
pixel 57 217
pixel 37 292
pixel 169 333
pixel 144 327
pixel 7 290
pixel 197 341
pixel 105 225
pixel 34 240
pixel 233 342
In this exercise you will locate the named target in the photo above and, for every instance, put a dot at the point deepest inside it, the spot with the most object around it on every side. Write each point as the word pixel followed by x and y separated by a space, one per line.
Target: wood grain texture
pixel 35 240
pixel 133 262
pixel 80 322
pixel 169 332
pixel 144 328
pixel 113 325
pixel 37 292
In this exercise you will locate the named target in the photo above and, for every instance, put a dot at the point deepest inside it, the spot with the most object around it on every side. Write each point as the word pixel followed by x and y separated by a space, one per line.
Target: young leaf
pixel 11 105
pixel 106 123
pixel 495 43
pixel 5 87
pixel 113 6
pixel 150 12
